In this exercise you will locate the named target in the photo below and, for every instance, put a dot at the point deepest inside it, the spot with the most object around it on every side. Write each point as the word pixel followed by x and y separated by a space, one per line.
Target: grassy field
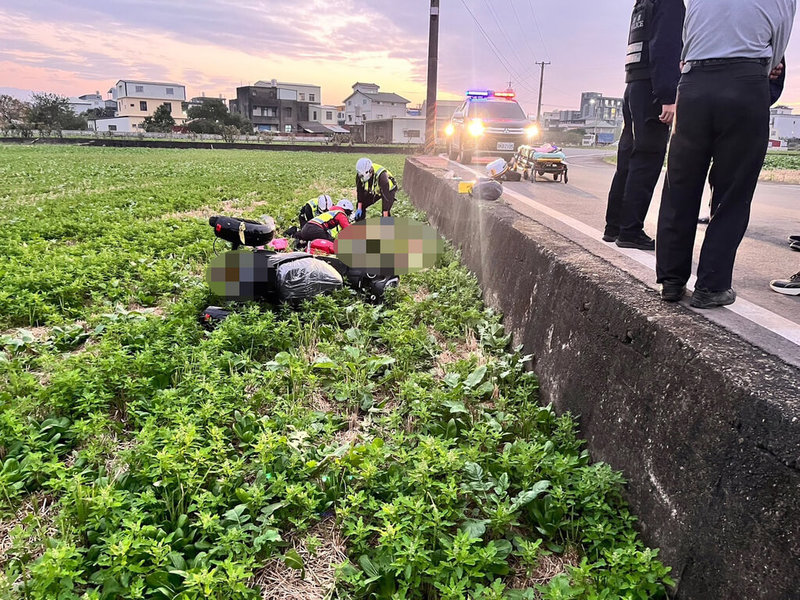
pixel 345 450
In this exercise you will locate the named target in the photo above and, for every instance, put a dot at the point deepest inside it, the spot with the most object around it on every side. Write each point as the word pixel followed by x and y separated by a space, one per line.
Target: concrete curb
pixel 705 427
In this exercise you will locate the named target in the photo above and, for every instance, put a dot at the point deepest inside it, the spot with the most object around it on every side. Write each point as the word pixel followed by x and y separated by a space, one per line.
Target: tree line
pixel 50 113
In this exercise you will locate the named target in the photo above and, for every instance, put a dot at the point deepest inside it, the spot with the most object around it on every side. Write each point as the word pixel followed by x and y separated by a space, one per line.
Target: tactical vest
pixel 372 186
pixel 637 61
pixel 327 220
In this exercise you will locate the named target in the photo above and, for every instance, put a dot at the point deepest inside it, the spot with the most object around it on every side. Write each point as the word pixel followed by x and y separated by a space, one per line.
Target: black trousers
pixel 723 115
pixel 306 214
pixel 310 232
pixel 640 157
pixel 386 204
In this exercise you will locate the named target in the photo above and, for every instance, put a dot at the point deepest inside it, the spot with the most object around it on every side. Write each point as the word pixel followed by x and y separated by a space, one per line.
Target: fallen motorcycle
pixel 276 276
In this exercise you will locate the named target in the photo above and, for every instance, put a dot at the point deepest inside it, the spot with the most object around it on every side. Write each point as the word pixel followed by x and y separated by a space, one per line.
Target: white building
pixel 368 103
pixel 80 104
pixel 111 124
pixel 323 113
pixel 783 125
pixel 396 130
pixel 139 99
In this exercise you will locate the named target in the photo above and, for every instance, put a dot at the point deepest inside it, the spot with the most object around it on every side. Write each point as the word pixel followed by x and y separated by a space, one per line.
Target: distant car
pixel 488 124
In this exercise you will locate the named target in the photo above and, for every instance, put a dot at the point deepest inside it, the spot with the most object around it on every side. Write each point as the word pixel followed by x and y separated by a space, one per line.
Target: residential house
pixel 323 119
pixel 783 124
pixel 368 103
pixel 139 99
pixel 198 100
pixel 276 106
pixel 81 104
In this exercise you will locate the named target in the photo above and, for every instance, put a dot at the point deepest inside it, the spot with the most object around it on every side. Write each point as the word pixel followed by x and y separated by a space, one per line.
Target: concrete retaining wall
pixel 705 427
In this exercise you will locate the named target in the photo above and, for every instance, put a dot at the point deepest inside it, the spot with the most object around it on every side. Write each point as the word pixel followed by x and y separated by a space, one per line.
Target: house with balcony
pixel 274 106
pixel 368 103
pixel 137 100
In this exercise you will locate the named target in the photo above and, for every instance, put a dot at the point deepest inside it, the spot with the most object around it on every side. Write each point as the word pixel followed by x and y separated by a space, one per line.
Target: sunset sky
pixel 213 46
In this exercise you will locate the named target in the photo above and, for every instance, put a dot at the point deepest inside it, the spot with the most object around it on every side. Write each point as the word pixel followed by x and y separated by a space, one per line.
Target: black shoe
pixel 672 292
pixel 640 242
pixel 610 235
pixel 707 299
pixel 790 287
pixel 795 246
pixel 794 238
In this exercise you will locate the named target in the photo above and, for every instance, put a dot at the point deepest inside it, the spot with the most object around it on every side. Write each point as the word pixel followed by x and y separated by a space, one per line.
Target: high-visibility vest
pixel 327 220
pixel 372 186
pixel 314 204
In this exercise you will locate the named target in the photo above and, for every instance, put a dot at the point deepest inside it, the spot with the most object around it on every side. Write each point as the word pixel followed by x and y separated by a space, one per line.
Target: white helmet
pixel 346 205
pixel 325 203
pixel 496 167
pixel 363 168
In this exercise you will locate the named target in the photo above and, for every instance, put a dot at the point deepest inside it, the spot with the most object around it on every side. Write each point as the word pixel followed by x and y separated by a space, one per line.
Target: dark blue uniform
pixel 652 74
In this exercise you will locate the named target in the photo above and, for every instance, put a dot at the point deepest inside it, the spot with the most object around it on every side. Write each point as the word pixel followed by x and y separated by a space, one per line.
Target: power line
pixel 536 22
pixel 495 50
pixel 507 37
pixel 522 31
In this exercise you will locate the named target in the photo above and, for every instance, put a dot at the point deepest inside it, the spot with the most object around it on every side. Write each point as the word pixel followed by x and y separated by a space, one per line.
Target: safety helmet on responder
pixel 364 168
pixel 346 205
pixel 324 202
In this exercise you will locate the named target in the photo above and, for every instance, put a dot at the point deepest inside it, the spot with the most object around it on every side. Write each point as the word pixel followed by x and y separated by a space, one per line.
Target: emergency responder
pixel 723 113
pixel 373 183
pixel 651 72
pixel 314 208
pixel 328 225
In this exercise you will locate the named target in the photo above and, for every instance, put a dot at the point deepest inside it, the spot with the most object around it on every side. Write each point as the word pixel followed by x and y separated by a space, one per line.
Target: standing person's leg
pixel 650 137
pixel 617 192
pixel 742 111
pixel 687 167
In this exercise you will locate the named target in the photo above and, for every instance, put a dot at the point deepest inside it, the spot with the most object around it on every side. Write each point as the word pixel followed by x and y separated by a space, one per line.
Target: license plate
pixel 505 145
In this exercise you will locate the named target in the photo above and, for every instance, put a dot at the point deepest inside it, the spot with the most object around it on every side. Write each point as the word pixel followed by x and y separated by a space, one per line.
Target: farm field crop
pixel 343 450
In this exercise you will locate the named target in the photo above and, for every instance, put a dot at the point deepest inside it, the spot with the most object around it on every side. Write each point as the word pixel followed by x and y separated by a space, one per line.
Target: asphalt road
pixel 577 210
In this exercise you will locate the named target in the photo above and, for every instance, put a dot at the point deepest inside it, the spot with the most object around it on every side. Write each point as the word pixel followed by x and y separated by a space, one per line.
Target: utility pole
pixel 433 62
pixel 541 81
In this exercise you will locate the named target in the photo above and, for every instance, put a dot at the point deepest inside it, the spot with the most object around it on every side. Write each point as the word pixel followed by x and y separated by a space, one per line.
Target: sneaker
pixel 610 235
pixel 672 292
pixel 795 246
pixel 708 299
pixel 794 238
pixel 790 287
pixel 640 242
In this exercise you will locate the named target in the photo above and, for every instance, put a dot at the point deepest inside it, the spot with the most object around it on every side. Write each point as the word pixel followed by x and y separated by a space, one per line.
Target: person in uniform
pixel 730 51
pixel 652 70
pixel 314 208
pixel 328 225
pixel 373 183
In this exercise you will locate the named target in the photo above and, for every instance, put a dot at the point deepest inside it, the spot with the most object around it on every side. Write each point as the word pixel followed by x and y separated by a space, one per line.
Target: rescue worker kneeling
pixel 374 182
pixel 328 225
pixel 314 208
